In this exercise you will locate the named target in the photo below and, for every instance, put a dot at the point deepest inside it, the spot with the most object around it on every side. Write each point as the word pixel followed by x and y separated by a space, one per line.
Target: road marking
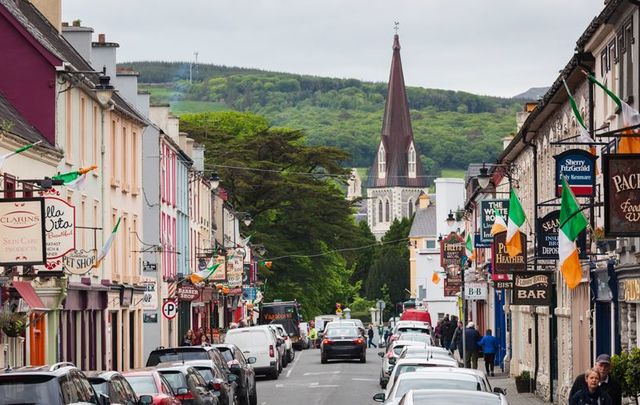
pixel 279 385
pixel 323 386
pixel 295 361
pixel 364 379
pixel 324 373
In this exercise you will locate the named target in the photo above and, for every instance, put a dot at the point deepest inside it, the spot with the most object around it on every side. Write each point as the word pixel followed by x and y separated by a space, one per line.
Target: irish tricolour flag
pixel 499 225
pixel 205 274
pixel 515 225
pixel 4 157
pixel 572 223
pixel 470 252
pixel 107 245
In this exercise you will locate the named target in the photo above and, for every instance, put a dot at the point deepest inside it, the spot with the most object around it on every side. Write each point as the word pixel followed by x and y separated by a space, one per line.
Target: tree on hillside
pixel 365 257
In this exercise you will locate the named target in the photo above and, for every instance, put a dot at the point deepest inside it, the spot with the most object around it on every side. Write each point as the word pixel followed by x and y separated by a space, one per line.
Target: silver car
pixel 446 397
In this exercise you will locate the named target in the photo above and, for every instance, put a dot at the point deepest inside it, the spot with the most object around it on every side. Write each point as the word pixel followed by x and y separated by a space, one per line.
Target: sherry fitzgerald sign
pixel 502 262
pixel 22 236
pixel 622 194
pixel 579 168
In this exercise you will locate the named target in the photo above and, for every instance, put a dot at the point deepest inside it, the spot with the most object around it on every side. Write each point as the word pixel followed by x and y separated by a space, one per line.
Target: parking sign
pixel 170 309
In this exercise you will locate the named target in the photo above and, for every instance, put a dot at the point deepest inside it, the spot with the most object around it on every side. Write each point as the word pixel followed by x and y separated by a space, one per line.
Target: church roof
pixel 397 134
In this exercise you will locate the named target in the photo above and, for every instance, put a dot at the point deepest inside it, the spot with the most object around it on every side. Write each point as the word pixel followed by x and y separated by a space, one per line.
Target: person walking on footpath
pixel 456 342
pixel 607 382
pixel 437 333
pixel 471 340
pixel 592 393
pixel 448 328
pixel 489 345
pixel 370 336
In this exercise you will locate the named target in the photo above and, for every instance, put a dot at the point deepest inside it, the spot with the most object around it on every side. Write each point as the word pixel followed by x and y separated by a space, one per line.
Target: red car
pixel 151 382
pixel 416 315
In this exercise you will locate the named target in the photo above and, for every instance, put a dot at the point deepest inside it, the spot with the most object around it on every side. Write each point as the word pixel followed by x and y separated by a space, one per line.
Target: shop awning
pixel 29 295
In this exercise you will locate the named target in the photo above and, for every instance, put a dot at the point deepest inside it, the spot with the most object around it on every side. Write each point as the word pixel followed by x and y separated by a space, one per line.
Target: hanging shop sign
pixel 79 261
pixel 547 237
pixel 60 225
pixel 475 291
pixel 246 273
pixel 621 195
pixel 234 271
pixel 150 297
pixel 220 273
pixel 488 217
pixel 451 250
pixel 503 284
pixel 629 290
pixel 579 168
pixel 22 226
pixel 187 293
pixel 532 288
pixel 502 262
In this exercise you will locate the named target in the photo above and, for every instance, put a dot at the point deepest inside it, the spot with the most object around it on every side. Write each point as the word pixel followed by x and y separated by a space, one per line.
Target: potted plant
pixel 523 382
pixel 13 323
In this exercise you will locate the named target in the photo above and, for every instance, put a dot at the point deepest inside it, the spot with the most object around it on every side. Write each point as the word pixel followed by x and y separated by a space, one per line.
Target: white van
pixel 260 343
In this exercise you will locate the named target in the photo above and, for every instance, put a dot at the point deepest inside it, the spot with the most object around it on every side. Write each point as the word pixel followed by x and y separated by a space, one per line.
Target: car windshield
pixel 409 368
pixel 28 389
pixel 398 349
pixel 143 384
pixel 470 384
pixel 342 332
pixel 412 329
pixel 226 353
pixel 162 356
pixel 206 373
pixel 175 378
pixel 415 337
pixel 101 386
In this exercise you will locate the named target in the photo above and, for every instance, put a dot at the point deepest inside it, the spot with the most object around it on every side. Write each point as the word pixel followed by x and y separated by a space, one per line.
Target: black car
pixel 344 341
pixel 114 389
pixel 61 383
pixel 219 380
pixel 241 366
pixel 189 386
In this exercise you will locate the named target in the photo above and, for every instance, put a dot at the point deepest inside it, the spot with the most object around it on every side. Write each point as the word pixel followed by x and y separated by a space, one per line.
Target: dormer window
pixel 412 162
pixel 382 162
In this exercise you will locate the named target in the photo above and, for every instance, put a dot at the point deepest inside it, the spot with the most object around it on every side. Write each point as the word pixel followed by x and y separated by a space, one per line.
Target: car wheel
pixel 274 374
pixel 323 359
pixel 254 398
pixel 363 358
pixel 245 400
pixel 292 355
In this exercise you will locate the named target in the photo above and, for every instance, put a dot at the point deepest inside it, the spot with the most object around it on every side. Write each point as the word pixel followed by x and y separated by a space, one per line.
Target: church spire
pixel 397 161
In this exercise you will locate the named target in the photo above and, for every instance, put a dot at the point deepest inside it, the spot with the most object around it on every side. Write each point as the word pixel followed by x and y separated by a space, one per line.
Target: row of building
pixel 61 89
pixel 544 327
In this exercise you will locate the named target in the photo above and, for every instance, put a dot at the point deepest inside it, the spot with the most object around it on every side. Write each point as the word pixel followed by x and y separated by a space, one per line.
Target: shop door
pixel 37 336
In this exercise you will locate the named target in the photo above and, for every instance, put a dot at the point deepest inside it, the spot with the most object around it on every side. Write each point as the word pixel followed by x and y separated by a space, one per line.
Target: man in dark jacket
pixel 471 340
pixel 607 382
pixel 447 329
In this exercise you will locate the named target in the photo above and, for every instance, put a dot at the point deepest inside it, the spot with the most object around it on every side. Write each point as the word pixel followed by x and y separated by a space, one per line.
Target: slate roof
pixel 424 222
pixel 397 134
pixel 47 35
pixel 13 122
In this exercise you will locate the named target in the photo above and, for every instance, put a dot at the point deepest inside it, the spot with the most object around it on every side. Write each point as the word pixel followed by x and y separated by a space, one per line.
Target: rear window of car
pixel 183 354
pixel 143 384
pixel 206 373
pixel 175 378
pixel 226 353
pixel 416 337
pixel 246 338
pixel 398 349
pixel 405 329
pixel 452 398
pixel 341 331
pixel 470 384
pixel 28 389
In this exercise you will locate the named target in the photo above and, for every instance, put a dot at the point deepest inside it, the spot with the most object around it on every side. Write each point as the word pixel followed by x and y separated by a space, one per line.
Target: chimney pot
pixel 65 24
pixel 101 38
pixel 76 23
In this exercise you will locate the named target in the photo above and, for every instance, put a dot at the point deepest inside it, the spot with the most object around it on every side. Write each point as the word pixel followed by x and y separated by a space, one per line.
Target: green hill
pixel 451 129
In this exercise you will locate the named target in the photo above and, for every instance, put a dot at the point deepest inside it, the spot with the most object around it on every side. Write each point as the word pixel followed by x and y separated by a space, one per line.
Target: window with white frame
pixel 412 161
pixel 382 162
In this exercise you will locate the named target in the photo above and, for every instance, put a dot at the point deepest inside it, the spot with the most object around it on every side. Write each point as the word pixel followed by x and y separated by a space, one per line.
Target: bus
pixel 285 313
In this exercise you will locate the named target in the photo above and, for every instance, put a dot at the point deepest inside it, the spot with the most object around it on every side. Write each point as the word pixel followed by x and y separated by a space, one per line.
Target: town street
pixel 338 382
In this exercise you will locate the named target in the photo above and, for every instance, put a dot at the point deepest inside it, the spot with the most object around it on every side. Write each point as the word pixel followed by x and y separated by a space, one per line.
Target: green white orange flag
pixel 6 156
pixel 107 246
pixel 499 225
pixel 470 252
pixel 583 135
pixel 572 223
pixel 70 177
pixel 630 118
pixel 515 224
pixel 204 274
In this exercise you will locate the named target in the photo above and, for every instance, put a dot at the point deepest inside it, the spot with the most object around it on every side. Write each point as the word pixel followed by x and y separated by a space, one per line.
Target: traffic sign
pixel 381 305
pixel 169 309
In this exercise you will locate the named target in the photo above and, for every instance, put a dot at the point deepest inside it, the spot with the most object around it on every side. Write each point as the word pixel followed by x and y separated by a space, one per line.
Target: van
pixel 416 315
pixel 260 343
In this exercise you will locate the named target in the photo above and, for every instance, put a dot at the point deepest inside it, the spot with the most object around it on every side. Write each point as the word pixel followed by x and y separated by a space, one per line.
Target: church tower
pixel 396 177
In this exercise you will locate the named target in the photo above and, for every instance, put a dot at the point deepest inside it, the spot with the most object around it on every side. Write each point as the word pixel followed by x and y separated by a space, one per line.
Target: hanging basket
pixel 13 324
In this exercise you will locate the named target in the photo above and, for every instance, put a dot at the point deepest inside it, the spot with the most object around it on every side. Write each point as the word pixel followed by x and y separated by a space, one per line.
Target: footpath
pixel 502 380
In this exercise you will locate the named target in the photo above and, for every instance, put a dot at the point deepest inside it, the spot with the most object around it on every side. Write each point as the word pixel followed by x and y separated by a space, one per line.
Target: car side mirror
pixel 235 367
pixel 379 397
pixel 182 391
pixel 392 360
pixel 499 390
pixel 104 399
pixel 232 378
pixel 280 342
pixel 381 354
pixel 251 360
pixel 145 400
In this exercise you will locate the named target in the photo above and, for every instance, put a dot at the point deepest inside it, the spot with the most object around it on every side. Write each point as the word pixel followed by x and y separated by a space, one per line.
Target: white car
pixel 446 378
pixel 410 365
pixel 258 342
pixel 425 352
pixel 304 335
pixel 446 397
pixel 389 358
pixel 288 343
pixel 416 337
pixel 410 327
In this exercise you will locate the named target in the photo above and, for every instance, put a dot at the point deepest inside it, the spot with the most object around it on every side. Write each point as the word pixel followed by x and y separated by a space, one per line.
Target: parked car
pixel 305 343
pixel 288 343
pixel 446 397
pixel 241 366
pixel 390 356
pixel 58 384
pixel 437 378
pixel 424 352
pixel 182 353
pixel 413 314
pixel 188 384
pixel 409 327
pixel 410 365
pixel 151 382
pixel 217 379
pixel 343 342
pixel 416 337
pixel 258 342
pixel 113 388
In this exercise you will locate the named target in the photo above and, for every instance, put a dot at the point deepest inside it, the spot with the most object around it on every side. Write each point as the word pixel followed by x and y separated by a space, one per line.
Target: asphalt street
pixel 307 381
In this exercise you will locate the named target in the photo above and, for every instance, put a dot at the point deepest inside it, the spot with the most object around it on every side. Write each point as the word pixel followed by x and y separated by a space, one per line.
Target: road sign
pixel 169 309
pixel 380 304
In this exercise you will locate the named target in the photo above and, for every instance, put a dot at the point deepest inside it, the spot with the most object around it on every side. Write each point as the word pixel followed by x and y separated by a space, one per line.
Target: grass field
pixel 455 173
pixel 189 106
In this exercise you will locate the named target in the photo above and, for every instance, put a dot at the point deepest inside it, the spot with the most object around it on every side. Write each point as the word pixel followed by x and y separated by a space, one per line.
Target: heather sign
pixel 502 262
pixel 621 195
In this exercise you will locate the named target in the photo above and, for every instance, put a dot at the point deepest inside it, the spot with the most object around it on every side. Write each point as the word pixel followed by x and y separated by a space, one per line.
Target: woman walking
pixel 489 345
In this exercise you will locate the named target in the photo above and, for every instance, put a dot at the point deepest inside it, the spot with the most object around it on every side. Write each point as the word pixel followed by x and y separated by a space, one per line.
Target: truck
pixel 285 313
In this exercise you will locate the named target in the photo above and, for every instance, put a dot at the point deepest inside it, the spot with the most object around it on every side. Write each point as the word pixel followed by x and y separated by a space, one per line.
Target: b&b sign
pixel 579 168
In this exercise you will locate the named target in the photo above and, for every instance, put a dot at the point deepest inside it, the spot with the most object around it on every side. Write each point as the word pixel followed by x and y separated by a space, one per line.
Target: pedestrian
pixel 387 335
pixel 437 333
pixel 188 338
pixel 199 336
pixel 448 328
pixel 370 334
pixel 607 382
pixel 471 339
pixel 592 393
pixel 208 340
pixel 313 336
pixel 456 341
pixel 489 345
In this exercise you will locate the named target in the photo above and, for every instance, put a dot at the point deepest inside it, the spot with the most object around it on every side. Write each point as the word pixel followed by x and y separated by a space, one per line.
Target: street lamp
pixel 483 177
pixel 104 90
pixel 214 181
pixel 450 219
pixel 247 219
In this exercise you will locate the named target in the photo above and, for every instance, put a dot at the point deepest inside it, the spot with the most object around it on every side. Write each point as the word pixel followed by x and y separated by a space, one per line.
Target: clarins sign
pixel 622 194
pixel 22 235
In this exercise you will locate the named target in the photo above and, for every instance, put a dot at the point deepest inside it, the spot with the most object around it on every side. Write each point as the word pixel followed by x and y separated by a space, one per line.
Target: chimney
pixel 423 201
pixel 52 10
pixel 79 37
pixel 104 55
pixel 522 116
pixel 127 83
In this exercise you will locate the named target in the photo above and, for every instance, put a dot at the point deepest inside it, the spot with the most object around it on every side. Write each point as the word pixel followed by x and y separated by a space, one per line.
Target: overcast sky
pixel 493 47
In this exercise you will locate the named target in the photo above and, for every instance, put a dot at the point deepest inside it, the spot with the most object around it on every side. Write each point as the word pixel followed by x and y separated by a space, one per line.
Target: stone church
pixel 396 178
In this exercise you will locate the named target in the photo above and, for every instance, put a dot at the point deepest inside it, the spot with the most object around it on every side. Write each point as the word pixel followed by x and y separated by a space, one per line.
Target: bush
pixel 625 367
